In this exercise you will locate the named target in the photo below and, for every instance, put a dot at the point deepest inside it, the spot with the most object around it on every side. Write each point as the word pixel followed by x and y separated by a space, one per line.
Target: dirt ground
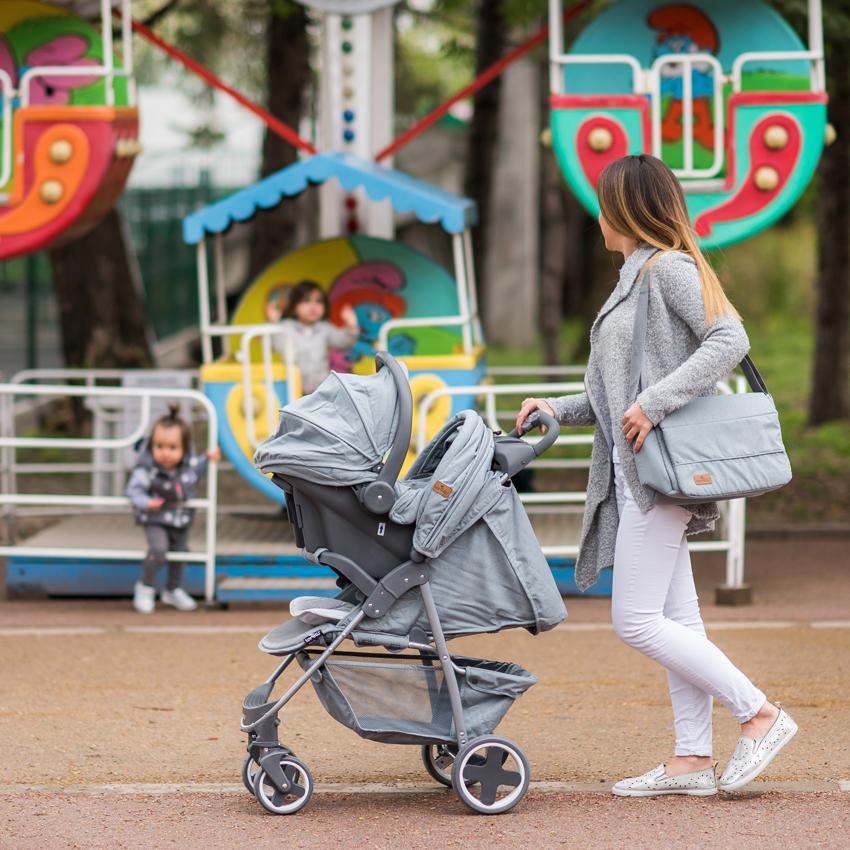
pixel 94 696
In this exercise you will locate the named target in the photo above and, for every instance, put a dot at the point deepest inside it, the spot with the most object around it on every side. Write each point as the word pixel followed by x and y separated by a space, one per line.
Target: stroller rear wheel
pixel 249 771
pixel 278 802
pixel 491 774
pixel 438 760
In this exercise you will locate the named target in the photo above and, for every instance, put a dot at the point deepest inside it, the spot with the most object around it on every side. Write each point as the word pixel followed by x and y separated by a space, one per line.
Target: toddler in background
pixel 303 320
pixel 165 478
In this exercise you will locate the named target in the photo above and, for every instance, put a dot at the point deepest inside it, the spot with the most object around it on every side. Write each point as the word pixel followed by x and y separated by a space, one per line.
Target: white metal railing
pixel 106 468
pixel 461 320
pixel 814 57
pixel 688 63
pixel 559 60
pixel 264 333
pixel 733 512
pixel 7 90
pixel 107 70
pixel 467 318
pixel 10 442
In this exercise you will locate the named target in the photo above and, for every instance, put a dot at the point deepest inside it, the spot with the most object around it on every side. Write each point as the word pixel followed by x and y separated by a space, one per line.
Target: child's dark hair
pixel 172 419
pixel 299 293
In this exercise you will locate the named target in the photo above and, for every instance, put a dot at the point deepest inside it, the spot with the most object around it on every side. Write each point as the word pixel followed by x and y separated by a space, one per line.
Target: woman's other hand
pixel 528 407
pixel 155 503
pixel 636 425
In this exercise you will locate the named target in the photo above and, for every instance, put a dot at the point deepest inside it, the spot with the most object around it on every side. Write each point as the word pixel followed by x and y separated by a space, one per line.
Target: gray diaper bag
pixel 715 447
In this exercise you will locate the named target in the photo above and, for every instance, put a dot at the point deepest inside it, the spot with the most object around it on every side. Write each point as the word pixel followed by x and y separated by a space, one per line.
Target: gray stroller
pixel 446 551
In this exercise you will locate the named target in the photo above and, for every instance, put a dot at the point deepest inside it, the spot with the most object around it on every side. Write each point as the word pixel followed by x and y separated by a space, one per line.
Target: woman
pixel 694 338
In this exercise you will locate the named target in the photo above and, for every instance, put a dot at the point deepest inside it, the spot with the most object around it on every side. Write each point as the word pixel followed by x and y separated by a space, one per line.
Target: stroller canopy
pixel 337 435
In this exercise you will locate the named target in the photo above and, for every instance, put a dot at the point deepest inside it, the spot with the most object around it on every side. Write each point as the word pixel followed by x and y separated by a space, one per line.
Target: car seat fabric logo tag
pixel 442 489
pixel 702 478
pixel 382 527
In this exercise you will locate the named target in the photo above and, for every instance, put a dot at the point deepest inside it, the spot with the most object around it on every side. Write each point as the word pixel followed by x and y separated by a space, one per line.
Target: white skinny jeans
pixel 655 609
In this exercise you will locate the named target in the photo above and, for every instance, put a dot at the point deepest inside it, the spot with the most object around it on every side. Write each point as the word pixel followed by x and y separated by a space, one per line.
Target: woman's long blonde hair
pixel 641 198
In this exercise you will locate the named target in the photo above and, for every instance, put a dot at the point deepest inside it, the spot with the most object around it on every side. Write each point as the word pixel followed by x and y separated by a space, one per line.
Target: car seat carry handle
pixel 379 495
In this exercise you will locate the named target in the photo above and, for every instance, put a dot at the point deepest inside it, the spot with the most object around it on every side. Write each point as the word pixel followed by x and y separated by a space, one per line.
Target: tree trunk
pixel 552 256
pixel 830 398
pixel 288 73
pixel 101 308
pixel 484 130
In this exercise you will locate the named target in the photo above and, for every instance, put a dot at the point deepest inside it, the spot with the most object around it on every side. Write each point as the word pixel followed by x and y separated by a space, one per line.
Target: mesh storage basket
pixel 407 701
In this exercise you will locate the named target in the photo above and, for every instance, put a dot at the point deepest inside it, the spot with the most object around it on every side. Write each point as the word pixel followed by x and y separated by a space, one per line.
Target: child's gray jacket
pixel 174 486
pixel 684 359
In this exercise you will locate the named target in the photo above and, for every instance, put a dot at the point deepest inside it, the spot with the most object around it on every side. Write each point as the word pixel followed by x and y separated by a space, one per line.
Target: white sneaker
pixel 753 755
pixel 144 598
pixel 179 599
pixel 699 783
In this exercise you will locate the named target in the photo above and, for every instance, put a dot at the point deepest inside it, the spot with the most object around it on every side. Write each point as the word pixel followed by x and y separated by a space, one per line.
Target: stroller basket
pixel 407 701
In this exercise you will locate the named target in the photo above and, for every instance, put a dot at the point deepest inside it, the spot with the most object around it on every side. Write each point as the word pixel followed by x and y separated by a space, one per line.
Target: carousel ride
pixel 724 91
pixel 68 122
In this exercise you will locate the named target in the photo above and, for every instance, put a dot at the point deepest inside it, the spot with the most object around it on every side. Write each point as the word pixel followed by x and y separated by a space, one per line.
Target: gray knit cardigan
pixel 685 358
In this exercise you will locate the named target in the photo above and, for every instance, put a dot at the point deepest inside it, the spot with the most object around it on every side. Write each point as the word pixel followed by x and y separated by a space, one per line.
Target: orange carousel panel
pixel 71 164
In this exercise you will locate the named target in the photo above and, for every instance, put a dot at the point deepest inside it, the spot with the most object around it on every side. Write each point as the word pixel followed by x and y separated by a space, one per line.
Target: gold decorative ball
pixel 61 151
pixel 600 139
pixel 52 191
pixel 829 135
pixel 546 137
pixel 766 178
pixel 776 137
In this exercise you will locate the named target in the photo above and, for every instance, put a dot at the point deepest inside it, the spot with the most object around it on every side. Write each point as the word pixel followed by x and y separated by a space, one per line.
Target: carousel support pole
pixel 204 302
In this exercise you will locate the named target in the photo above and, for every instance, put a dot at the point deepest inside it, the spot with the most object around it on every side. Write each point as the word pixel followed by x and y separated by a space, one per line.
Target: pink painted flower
pixel 50 89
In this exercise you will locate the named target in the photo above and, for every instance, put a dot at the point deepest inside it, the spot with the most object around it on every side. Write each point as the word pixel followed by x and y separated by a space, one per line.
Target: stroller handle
pixel 379 495
pixel 535 420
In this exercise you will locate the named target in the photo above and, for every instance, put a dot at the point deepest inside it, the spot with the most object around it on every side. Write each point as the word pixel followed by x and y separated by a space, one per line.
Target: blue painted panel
pixel 88 577
pixel 429 203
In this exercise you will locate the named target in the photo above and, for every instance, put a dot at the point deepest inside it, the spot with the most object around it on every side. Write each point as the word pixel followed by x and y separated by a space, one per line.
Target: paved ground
pixel 96 699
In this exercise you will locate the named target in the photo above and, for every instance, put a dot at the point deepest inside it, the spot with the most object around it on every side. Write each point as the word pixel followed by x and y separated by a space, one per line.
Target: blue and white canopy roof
pixel 406 194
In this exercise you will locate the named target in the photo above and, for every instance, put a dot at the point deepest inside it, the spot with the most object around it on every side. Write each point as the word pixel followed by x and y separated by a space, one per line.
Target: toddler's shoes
pixel 144 598
pixel 179 599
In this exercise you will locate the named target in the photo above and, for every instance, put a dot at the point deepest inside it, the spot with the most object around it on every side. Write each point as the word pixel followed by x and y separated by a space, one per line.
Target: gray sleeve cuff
pixel 572 409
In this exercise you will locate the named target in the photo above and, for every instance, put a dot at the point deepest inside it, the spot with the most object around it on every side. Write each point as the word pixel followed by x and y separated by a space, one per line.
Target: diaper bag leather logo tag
pixel 702 478
pixel 442 489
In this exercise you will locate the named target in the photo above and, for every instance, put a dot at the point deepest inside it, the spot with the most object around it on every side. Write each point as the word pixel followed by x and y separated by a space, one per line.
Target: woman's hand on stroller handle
pixel 536 413
pixel 524 423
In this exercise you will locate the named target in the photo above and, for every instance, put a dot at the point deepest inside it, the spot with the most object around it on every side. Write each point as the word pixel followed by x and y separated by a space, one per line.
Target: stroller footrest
pixel 258 697
pixel 294 635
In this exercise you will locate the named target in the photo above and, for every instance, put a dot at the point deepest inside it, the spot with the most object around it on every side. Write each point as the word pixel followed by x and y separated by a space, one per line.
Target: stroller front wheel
pixel 278 802
pixel 491 774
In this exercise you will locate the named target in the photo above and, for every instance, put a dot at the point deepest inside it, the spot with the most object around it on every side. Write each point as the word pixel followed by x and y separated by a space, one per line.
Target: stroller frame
pixel 474 768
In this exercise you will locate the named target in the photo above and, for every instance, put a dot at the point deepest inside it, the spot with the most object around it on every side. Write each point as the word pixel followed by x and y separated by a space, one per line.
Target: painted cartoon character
pixel 685 29
pixel 50 89
pixel 371 288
